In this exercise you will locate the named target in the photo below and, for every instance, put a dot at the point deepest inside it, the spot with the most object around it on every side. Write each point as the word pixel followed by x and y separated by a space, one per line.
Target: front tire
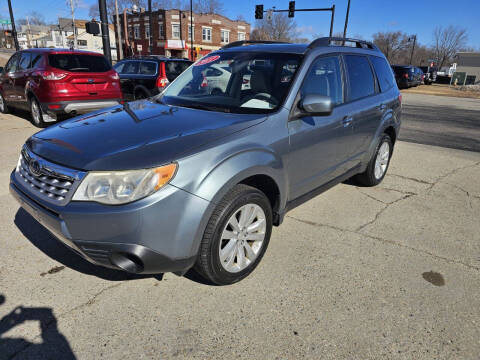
pixel 37 114
pixel 378 165
pixel 236 236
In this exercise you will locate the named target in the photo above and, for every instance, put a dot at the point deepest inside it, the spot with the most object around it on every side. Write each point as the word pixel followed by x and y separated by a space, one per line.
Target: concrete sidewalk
pixel 357 273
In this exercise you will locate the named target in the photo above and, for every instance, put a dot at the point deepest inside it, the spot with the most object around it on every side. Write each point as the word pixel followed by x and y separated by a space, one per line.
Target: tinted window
pixel 79 62
pixel 384 73
pixel 324 78
pixel 175 68
pixel 360 76
pixel 24 63
pixel 148 68
pixel 130 67
pixel 36 60
pixel 119 67
pixel 12 63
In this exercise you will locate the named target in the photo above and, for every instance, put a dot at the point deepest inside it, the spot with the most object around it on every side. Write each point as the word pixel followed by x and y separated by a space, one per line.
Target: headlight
pixel 120 187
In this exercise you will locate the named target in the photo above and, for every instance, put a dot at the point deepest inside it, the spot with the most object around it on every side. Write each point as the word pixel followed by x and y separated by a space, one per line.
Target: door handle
pixel 347 120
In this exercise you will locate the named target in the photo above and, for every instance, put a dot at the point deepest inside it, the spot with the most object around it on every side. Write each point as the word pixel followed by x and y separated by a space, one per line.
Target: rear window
pixel 384 73
pixel 148 68
pixel 360 77
pixel 79 62
pixel 175 68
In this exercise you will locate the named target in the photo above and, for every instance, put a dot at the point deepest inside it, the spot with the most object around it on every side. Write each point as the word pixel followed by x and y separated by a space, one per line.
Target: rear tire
pixel 236 236
pixel 378 165
pixel 140 95
pixel 36 113
pixel 3 105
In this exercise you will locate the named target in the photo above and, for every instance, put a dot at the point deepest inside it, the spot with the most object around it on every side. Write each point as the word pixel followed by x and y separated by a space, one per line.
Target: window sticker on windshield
pixel 206 60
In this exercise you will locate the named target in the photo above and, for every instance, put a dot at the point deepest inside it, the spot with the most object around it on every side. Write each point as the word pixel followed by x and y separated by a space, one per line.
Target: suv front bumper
pixel 160 233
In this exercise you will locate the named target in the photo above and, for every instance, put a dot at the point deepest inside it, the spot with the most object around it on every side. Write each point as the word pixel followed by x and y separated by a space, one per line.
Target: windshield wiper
pixel 204 107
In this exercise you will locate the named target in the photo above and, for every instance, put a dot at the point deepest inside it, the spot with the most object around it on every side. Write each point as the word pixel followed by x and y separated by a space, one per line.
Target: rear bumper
pixel 77 107
pixel 160 233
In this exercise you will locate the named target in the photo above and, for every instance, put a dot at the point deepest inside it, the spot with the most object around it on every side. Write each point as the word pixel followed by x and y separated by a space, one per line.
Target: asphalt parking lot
pixel 390 272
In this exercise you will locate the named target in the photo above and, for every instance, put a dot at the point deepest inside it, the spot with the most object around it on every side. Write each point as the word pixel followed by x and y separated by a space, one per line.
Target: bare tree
pixel 391 44
pixel 278 28
pixel 447 42
pixel 171 4
pixel 34 17
pixel 208 6
pixel 122 4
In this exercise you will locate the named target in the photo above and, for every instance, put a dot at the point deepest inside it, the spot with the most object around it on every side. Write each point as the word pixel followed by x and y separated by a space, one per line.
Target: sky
pixel 366 16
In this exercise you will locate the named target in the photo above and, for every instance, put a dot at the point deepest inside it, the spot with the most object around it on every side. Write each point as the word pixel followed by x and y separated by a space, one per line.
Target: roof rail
pixel 250 42
pixel 327 41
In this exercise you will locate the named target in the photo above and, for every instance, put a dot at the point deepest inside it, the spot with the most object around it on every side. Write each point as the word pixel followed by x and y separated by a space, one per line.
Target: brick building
pixel 171 33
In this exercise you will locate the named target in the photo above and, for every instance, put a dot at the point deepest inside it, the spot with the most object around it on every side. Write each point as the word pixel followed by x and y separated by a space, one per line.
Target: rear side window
pixel 324 78
pixel 36 60
pixel 24 63
pixel 148 68
pixel 175 68
pixel 360 77
pixel 384 73
pixel 79 62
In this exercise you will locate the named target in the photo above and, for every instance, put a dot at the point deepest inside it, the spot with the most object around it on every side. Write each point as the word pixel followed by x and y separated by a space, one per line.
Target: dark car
pixel 191 178
pixel 142 77
pixel 430 74
pixel 407 76
pixel 53 83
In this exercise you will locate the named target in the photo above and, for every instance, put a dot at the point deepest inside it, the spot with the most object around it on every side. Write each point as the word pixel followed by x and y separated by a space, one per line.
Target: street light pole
pixel 119 33
pixel 191 29
pixel 331 21
pixel 102 6
pixel 14 31
pixel 150 38
pixel 413 48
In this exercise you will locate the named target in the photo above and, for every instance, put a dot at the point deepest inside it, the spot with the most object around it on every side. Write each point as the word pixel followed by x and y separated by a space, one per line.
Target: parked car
pixel 407 76
pixel 142 77
pixel 430 74
pixel 190 179
pixel 53 83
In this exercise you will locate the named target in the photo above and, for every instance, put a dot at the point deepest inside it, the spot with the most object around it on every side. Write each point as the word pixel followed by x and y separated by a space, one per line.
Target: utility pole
pixel 191 30
pixel 413 47
pixel 73 25
pixel 150 24
pixel 29 33
pixel 14 31
pixel 346 22
pixel 102 6
pixel 331 21
pixel 119 34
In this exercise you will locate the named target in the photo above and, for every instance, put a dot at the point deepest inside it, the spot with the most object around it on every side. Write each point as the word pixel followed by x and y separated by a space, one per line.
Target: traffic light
pixel 291 9
pixel 258 11
pixel 92 27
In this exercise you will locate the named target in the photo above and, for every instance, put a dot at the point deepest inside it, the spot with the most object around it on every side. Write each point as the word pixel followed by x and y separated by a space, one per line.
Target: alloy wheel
pixel 2 104
pixel 35 112
pixel 242 238
pixel 381 162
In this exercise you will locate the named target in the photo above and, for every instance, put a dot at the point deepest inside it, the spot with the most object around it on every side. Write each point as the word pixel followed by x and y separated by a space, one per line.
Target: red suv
pixel 54 83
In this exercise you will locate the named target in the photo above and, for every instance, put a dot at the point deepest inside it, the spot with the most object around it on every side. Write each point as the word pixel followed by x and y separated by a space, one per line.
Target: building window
pixel 176 31
pixel 224 36
pixel 206 34
pixel 147 31
pixel 190 28
pixel 130 32
pixel 136 31
pixel 82 42
pixel 161 31
pixel 241 36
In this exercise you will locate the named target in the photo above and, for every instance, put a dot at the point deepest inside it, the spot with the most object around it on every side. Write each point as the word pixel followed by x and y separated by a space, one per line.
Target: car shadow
pixel 54 345
pixel 42 239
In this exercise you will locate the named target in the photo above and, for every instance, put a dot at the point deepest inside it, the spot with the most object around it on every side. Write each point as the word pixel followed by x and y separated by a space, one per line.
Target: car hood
pixel 137 135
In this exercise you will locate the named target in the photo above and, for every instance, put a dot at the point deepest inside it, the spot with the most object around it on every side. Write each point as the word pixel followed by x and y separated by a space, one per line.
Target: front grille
pixel 46 180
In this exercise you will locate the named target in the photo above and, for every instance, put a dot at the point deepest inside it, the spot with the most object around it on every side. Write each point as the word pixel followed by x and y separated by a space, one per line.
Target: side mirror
pixel 313 104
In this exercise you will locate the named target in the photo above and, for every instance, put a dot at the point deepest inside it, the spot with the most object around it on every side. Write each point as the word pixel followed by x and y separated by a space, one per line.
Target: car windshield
pixel 239 82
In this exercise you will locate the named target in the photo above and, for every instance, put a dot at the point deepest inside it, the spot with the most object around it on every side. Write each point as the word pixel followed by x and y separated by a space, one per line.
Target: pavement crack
pixel 452 172
pixel 390 242
pixel 377 215
pixel 55 319
pixel 411 179
pixel 370 196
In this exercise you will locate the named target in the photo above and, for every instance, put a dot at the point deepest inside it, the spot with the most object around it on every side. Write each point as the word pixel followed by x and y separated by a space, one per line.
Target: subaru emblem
pixel 35 168
pixel 91 81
